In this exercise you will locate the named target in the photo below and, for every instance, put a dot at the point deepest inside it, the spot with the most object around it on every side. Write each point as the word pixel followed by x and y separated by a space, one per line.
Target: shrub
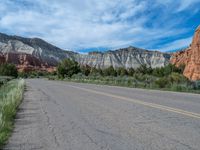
pixel 67 68
pixel 85 70
pixel 143 69
pixel 131 71
pixel 8 70
pixel 162 82
pixel 110 71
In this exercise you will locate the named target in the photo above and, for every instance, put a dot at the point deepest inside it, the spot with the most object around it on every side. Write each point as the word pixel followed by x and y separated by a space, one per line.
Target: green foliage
pixel 8 70
pixel 196 85
pixel 169 77
pixel 10 97
pixel 121 72
pixel 34 74
pixel 4 80
pixel 85 70
pixel 143 69
pixel 131 71
pixel 167 70
pixel 162 82
pixel 176 78
pixel 110 71
pixel 67 68
pixel 96 72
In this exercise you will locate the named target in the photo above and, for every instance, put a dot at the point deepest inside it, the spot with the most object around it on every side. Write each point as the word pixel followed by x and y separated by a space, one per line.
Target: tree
pixel 167 70
pixel 85 70
pixel 8 70
pixel 96 72
pixel 177 78
pixel 144 69
pixel 122 71
pixel 67 68
pixel 162 82
pixel 131 71
pixel 110 71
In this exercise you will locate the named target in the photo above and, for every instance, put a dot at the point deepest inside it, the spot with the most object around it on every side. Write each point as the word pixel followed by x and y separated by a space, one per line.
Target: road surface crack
pixel 49 125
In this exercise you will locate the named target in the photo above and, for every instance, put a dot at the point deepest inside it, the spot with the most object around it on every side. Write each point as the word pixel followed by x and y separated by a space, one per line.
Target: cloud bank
pixel 83 25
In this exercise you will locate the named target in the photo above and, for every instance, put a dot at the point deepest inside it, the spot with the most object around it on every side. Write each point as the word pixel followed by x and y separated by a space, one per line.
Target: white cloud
pixel 180 43
pixel 180 5
pixel 77 24
pixel 184 4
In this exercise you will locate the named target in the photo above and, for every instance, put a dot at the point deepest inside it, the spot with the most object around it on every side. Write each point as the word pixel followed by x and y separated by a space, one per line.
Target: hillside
pixel 50 55
pixel 130 57
pixel 36 47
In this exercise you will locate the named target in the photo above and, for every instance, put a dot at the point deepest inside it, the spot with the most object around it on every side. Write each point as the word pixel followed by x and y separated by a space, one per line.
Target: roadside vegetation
pixel 8 70
pixel 11 93
pixel 165 78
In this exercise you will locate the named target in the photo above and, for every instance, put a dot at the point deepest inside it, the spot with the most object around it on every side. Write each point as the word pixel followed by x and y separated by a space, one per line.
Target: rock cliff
pixel 25 62
pixel 131 57
pixel 34 46
pixel 190 58
pixel 50 55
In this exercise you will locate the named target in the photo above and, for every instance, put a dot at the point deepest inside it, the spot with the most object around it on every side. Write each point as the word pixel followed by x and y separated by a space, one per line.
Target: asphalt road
pixel 71 116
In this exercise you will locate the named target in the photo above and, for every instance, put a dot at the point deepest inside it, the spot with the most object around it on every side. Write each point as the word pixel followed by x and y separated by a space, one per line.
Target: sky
pixel 99 25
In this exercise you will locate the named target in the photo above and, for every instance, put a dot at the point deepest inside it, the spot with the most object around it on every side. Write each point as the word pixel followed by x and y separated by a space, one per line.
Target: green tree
pixel 96 72
pixel 110 71
pixel 122 71
pixel 162 82
pixel 167 70
pixel 86 70
pixel 131 71
pixel 177 78
pixel 67 68
pixel 143 69
pixel 8 70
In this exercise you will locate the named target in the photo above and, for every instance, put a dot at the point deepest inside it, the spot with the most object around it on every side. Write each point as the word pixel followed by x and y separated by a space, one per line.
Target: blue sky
pixel 87 25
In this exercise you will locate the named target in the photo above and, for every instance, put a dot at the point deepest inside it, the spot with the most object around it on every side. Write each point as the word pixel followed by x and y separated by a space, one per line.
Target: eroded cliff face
pixel 128 57
pixel 190 58
pixel 34 46
pixel 26 62
pixel 50 55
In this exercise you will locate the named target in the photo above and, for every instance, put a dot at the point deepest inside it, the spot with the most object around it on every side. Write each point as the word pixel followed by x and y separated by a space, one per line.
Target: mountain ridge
pixel 131 57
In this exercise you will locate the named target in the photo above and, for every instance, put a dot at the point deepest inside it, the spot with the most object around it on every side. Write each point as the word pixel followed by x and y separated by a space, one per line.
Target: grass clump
pixel 11 95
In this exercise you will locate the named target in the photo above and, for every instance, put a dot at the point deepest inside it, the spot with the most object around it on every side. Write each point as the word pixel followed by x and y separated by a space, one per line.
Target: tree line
pixel 68 67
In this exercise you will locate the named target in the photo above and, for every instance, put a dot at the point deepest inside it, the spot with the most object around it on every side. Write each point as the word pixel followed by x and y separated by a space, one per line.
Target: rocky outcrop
pixel 131 57
pixel 26 62
pixel 190 58
pixel 34 46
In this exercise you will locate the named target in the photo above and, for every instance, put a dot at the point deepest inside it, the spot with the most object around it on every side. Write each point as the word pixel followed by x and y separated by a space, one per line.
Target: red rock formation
pixel 190 58
pixel 26 62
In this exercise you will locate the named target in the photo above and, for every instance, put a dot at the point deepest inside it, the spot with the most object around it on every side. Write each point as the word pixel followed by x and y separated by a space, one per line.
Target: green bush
pixel 169 77
pixel 162 82
pixel 67 68
pixel 8 70
pixel 85 70
pixel 110 71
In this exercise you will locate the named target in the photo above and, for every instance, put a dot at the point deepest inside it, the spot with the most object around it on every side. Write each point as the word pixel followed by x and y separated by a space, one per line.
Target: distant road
pixel 59 115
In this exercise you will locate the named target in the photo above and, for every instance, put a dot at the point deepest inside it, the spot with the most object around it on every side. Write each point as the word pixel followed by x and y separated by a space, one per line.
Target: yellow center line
pixel 152 105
